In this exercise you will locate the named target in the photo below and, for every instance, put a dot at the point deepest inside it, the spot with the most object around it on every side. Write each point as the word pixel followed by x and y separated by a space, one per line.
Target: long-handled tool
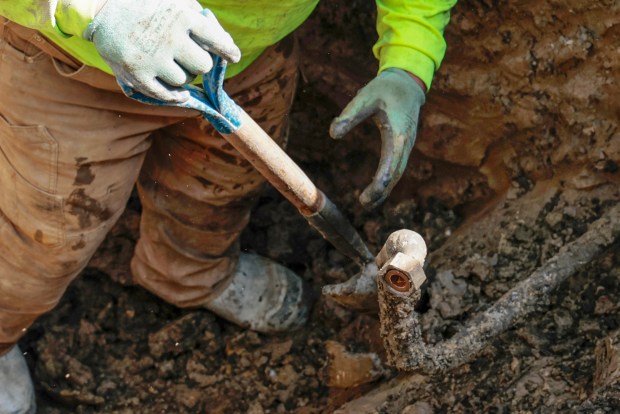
pixel 238 128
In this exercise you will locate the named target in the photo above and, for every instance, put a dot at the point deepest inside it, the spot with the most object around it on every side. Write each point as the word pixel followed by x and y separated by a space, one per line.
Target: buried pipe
pixel 401 275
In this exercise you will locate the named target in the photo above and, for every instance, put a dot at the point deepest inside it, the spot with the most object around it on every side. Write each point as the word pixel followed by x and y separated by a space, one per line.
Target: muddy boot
pixel 16 390
pixel 263 296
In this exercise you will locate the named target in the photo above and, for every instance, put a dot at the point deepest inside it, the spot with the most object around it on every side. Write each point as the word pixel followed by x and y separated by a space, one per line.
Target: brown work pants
pixel 72 147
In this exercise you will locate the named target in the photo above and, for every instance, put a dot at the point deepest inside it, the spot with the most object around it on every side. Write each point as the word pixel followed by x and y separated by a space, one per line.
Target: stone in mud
pixel 448 293
pixel 76 397
pixel 420 407
pixel 607 369
pixel 186 333
pixel 346 369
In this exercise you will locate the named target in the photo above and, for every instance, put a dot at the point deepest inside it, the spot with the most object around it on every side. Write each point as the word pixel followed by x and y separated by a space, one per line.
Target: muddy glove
pixel 157 46
pixel 393 99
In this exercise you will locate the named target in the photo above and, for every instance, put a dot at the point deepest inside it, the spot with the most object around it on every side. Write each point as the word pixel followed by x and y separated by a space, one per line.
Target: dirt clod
pixel 347 370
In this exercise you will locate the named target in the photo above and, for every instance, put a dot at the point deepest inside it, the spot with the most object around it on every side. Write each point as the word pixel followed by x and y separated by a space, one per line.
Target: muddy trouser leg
pixel 69 156
pixel 197 190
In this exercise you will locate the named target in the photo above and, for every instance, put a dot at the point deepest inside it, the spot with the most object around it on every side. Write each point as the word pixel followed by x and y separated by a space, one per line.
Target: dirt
pixel 519 150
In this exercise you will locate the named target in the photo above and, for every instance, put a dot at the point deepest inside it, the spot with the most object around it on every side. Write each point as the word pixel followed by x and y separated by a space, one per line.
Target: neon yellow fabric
pixel 73 16
pixel 410 31
pixel 30 13
pixel 411 35
pixel 37 14
pixel 254 25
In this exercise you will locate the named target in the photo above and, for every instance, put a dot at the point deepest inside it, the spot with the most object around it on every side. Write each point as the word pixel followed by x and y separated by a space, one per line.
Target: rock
pixel 447 294
pixel 67 378
pixel 106 386
pixel 420 407
pixel 563 320
pixel 347 369
pixel 186 396
pixel 523 234
pixel 604 305
pixel 475 265
pixel 607 369
pixel 587 180
pixel 186 333
pixel 255 408
pixel 553 218
pixel 279 349
pixel 570 211
pixel 75 397
pixel 286 375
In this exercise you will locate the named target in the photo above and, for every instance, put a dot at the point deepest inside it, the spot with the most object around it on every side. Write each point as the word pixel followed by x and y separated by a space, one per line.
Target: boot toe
pixel 264 296
pixel 16 390
pixel 294 310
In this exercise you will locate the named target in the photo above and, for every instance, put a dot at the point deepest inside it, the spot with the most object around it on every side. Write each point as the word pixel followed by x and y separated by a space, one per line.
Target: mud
pixel 517 155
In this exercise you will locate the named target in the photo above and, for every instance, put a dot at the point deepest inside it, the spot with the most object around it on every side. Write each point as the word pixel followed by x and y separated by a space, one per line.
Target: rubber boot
pixel 16 390
pixel 263 296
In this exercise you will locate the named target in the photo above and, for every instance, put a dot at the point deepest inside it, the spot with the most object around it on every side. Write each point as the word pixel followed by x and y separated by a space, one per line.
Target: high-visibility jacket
pixel 410 31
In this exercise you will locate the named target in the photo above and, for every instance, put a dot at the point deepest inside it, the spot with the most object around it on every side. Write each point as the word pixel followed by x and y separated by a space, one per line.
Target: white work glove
pixel 157 46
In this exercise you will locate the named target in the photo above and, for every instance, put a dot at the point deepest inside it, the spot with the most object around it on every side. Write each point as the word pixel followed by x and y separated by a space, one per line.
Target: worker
pixel 72 145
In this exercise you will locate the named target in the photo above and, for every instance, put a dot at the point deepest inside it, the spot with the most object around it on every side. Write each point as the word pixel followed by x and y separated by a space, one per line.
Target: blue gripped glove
pixel 393 99
pixel 211 101
pixel 157 46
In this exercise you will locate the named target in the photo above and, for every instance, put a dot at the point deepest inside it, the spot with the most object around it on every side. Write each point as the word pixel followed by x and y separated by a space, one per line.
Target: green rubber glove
pixel 157 46
pixel 393 99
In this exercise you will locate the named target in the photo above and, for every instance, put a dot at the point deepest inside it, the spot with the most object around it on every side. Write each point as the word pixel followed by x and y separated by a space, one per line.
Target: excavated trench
pixel 518 154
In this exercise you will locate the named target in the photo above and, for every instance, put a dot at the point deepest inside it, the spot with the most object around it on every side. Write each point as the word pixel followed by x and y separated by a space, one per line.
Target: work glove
pixel 393 99
pixel 157 46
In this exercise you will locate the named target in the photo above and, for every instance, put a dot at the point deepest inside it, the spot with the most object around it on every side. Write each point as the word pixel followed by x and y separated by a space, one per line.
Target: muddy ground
pixel 518 152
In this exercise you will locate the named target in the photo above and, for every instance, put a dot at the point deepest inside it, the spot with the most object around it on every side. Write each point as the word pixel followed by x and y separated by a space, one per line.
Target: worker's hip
pixel 33 46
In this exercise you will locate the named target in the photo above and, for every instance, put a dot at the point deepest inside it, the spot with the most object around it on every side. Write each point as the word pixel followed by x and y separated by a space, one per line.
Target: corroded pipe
pixel 399 280
pixel 398 296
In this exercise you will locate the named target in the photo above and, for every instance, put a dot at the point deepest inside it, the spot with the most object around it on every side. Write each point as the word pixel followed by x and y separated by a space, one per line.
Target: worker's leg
pixel 197 190
pixel 69 156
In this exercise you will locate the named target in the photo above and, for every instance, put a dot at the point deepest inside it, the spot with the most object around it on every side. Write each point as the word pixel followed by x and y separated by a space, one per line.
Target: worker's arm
pixel 411 35
pixel 410 49
pixel 73 16
pixel 152 46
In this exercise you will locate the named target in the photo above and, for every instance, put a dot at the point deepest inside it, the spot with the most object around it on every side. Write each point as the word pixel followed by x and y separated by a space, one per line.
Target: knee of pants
pixel 33 277
pixel 51 233
pixel 30 259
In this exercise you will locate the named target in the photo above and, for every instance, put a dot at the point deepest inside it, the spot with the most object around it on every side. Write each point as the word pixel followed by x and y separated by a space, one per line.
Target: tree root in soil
pixel 399 293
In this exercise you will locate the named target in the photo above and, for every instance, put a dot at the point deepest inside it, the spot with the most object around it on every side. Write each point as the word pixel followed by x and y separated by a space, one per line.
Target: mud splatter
pixel 84 175
pixel 87 210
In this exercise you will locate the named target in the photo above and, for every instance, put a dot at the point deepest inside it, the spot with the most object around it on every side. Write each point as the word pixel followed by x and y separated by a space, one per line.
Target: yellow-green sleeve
pixel 67 17
pixel 411 35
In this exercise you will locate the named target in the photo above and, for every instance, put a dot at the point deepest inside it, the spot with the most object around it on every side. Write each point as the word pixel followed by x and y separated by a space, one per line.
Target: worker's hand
pixel 157 46
pixel 393 99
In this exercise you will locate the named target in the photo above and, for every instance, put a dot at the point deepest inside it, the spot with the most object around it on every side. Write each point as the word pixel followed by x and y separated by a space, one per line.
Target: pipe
pixel 401 276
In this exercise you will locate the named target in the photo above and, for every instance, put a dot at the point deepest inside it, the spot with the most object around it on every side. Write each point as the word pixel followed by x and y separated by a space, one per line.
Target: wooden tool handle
pixel 276 166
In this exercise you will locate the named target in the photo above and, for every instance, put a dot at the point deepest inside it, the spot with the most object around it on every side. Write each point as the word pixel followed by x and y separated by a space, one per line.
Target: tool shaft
pixel 290 180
